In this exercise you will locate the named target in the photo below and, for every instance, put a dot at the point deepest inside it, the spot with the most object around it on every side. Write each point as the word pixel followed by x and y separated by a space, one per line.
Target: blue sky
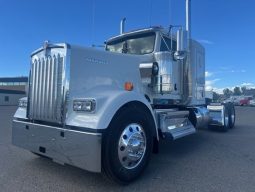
pixel 225 27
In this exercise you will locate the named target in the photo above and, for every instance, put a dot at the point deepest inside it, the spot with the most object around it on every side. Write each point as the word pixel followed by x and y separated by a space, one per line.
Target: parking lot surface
pixel 206 161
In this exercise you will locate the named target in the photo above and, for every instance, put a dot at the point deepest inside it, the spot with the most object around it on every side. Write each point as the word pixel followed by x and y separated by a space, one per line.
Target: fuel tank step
pixel 174 124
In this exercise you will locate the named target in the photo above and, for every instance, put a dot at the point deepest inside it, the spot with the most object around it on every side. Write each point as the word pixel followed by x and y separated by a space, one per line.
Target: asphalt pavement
pixel 206 161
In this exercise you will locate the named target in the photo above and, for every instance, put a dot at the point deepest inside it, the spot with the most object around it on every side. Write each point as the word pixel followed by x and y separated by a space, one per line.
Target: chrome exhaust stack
pixel 187 73
pixel 122 25
pixel 188 19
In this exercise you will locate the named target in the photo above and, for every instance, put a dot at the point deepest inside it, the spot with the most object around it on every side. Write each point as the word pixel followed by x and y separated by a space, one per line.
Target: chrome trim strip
pixel 72 128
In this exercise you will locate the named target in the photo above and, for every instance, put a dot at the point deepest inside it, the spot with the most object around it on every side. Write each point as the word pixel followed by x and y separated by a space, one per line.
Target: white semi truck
pixel 107 110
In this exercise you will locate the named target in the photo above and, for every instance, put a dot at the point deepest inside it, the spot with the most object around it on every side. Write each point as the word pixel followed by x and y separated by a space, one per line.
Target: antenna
pixel 93 22
pixel 149 12
pixel 170 12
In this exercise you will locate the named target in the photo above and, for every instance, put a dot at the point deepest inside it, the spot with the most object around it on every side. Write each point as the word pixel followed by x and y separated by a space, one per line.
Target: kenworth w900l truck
pixel 106 110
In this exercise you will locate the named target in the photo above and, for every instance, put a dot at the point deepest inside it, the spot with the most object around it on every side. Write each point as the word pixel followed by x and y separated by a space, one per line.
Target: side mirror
pixel 181 50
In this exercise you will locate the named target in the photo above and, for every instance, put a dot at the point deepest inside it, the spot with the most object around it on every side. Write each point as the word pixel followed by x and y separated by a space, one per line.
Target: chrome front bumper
pixel 65 146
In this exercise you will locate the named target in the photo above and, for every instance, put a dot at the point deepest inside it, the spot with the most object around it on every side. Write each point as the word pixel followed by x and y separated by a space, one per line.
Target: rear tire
pixel 226 117
pixel 232 115
pixel 128 144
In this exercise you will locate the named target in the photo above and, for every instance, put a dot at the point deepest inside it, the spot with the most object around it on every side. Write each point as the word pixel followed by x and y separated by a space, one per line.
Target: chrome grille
pixel 46 90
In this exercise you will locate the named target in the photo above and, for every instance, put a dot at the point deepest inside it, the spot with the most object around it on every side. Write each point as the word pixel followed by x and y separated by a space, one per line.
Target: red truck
pixel 245 101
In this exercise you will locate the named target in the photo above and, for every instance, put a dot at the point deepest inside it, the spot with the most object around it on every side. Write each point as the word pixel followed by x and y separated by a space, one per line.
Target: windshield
pixel 136 44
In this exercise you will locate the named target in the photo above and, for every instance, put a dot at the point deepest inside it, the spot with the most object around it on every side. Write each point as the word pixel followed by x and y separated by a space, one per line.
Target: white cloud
pixel 235 71
pixel 209 84
pixel 248 85
pixel 223 70
pixel 205 41
pixel 218 90
pixel 208 74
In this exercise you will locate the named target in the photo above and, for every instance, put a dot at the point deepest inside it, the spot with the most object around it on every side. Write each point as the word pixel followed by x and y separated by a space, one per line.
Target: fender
pixel 107 106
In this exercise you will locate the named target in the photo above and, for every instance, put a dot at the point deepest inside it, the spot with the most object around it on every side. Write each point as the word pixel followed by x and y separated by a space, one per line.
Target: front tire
pixel 128 144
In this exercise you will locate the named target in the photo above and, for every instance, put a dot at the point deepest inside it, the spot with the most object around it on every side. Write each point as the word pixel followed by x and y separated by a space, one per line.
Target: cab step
pixel 174 124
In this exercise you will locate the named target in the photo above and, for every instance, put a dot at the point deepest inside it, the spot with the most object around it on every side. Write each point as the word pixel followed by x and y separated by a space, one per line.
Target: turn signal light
pixel 129 86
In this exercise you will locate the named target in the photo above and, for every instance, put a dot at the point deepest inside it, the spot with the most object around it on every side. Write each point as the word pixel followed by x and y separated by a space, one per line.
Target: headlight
pixel 23 103
pixel 84 105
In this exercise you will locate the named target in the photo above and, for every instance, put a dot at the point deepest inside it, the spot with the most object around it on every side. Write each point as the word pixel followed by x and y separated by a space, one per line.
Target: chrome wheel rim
pixel 132 146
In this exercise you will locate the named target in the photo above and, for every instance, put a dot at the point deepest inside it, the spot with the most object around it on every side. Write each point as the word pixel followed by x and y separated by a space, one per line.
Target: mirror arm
pixel 165 42
pixel 171 27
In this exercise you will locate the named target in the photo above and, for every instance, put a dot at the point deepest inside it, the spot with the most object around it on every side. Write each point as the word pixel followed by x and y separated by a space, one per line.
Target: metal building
pixel 10 97
pixel 12 89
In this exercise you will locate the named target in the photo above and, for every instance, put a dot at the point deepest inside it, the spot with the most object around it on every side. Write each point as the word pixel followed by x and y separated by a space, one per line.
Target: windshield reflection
pixel 136 44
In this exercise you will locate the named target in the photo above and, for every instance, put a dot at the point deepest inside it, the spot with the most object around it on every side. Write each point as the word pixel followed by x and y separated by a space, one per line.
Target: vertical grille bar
pixel 36 90
pixel 39 93
pixel 46 94
pixel 47 97
pixel 54 99
pixel 59 87
pixel 51 72
pixel 43 90
pixel 32 90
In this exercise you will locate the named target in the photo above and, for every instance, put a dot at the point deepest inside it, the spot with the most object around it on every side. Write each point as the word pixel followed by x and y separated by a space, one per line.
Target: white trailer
pixel 106 111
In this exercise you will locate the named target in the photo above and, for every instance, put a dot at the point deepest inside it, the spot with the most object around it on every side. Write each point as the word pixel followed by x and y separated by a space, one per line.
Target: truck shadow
pixel 169 152
pixel 183 146
pixel 67 174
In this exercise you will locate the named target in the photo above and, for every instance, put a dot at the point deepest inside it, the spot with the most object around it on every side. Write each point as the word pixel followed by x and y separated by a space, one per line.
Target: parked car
pixel 252 103
pixel 234 100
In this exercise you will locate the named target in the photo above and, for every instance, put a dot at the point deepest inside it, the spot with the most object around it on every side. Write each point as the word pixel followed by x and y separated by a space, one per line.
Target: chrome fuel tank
pixel 168 79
